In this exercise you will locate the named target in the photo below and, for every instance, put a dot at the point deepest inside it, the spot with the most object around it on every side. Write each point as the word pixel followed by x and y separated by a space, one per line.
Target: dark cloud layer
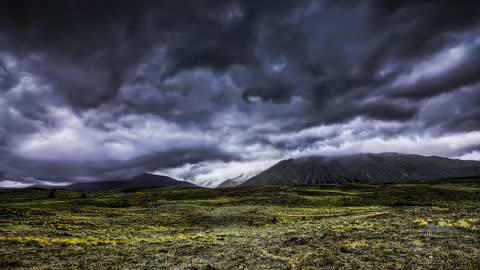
pixel 100 89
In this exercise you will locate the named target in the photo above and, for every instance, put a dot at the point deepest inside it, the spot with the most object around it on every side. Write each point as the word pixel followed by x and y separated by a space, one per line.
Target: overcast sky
pixel 209 90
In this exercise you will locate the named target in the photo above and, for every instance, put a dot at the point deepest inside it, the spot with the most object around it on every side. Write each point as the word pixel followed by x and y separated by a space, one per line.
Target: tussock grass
pixel 354 226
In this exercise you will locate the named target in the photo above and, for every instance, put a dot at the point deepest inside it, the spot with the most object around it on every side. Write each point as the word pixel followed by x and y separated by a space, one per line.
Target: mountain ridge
pixel 366 167
pixel 142 181
pixel 236 181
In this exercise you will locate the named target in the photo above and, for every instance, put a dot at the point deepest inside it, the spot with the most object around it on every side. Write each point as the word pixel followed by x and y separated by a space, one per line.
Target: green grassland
pixel 353 226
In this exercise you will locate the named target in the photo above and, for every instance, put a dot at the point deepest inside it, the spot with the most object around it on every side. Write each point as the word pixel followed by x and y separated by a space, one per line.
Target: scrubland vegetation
pixel 352 226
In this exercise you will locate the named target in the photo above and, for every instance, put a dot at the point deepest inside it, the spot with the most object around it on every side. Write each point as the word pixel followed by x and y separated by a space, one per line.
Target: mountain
pixel 142 181
pixel 233 182
pixel 378 168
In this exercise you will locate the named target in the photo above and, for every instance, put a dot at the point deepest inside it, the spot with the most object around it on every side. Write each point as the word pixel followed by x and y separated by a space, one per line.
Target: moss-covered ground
pixel 354 226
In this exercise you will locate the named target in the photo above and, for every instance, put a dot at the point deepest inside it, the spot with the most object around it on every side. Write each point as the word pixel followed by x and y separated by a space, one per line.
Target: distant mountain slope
pixel 229 183
pixel 386 167
pixel 233 182
pixel 141 181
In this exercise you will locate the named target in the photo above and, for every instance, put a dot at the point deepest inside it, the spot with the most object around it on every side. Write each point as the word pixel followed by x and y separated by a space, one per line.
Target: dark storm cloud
pixel 91 34
pixel 275 93
pixel 7 79
pixel 346 57
pixel 464 73
pixel 236 73
pixel 454 111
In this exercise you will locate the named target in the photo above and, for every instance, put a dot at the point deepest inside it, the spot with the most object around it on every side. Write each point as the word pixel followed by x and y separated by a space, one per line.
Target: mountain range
pixel 142 181
pixel 373 168
pixel 376 168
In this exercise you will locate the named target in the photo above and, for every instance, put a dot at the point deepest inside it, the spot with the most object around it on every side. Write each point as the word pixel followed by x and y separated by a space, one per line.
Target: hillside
pixel 377 168
pixel 236 181
pixel 138 182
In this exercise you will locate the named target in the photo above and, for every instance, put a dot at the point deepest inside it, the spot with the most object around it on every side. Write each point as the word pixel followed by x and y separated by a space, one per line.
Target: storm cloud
pixel 210 90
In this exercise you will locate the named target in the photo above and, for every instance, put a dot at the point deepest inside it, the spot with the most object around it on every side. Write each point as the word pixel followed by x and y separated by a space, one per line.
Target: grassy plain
pixel 353 226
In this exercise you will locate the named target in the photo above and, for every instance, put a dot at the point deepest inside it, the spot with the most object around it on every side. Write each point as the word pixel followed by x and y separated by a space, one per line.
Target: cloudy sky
pixel 209 90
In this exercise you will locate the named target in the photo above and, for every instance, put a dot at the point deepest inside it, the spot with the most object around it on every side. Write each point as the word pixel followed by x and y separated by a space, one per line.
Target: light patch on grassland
pixel 43 241
pixel 466 224
pixel 422 222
